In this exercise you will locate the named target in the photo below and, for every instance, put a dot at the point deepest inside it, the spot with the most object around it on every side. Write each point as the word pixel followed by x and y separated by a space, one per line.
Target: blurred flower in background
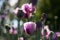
pixel 47 33
pixel 58 34
pixel 29 27
pixel 54 36
pixel 13 31
pixel 16 10
pixel 12 2
pixel 21 38
pixel 13 27
pixel 19 13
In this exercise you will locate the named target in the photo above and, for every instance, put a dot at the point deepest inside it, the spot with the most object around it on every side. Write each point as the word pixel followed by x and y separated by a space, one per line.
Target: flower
pixel 54 36
pixel 28 9
pixel 48 31
pixel 29 27
pixel 58 34
pixel 25 11
pixel 16 10
pixel 21 38
pixel 13 31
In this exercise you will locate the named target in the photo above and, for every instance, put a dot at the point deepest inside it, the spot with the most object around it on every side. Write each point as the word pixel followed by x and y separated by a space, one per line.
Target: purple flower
pixel 54 36
pixel 11 31
pixel 28 9
pixel 58 34
pixel 16 10
pixel 29 27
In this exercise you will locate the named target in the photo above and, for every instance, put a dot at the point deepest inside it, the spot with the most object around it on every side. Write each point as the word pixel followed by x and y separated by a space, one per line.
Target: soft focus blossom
pixel 16 10
pixel 19 13
pixel 21 38
pixel 13 31
pixel 12 2
pixel 58 34
pixel 29 27
pixel 48 31
pixel 14 26
pixel 54 36
pixel 28 9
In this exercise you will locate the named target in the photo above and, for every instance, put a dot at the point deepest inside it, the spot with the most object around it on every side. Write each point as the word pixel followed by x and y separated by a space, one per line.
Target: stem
pixel 38 34
pixel 18 27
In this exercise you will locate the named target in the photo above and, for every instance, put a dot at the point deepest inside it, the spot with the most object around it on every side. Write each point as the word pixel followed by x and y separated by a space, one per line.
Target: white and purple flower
pixel 29 27
pixel 26 8
pixel 14 26
pixel 56 35
pixel 48 31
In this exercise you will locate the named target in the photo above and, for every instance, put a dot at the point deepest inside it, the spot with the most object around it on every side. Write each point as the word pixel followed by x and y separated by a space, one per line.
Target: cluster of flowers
pixel 28 27
pixel 25 11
